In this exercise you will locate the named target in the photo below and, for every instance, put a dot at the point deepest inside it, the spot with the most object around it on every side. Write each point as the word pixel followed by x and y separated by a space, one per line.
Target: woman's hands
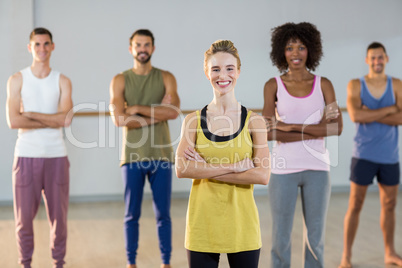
pixel 272 123
pixel 192 155
pixel 331 112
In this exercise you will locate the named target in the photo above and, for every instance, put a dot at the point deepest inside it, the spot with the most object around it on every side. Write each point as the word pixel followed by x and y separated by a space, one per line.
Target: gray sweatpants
pixel 315 191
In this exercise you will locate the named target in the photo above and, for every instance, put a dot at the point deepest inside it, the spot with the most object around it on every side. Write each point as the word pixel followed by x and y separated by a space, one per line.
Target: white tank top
pixel 291 157
pixel 42 96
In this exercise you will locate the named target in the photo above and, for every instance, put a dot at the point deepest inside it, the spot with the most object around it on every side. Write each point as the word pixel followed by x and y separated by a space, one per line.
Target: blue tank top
pixel 375 141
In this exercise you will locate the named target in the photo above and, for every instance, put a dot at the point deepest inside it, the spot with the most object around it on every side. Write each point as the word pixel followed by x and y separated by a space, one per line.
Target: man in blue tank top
pixel 142 100
pixel 374 103
pixel 39 105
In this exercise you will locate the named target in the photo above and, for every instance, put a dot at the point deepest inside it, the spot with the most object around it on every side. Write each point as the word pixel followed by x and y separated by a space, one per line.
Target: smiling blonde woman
pixel 223 149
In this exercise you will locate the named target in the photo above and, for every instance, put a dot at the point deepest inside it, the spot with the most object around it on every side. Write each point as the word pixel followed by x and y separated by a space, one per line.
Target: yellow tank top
pixel 222 217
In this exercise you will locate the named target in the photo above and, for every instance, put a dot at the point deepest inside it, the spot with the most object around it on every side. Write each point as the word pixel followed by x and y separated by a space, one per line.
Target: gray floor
pixel 96 235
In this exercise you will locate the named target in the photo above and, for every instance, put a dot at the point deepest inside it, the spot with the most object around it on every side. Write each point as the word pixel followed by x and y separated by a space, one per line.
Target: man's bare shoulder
pixel 119 80
pixel 119 76
pixel 16 77
pixel 169 80
pixel 64 78
pixel 15 81
pixel 167 74
pixel 397 83
pixel 354 84
pixel 65 82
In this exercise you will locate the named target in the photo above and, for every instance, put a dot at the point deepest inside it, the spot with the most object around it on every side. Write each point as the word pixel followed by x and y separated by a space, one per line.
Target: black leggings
pixel 243 259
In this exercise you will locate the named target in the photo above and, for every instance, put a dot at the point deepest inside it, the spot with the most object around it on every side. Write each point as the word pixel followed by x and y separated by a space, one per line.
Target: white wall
pixel 91 40
pixel 16 22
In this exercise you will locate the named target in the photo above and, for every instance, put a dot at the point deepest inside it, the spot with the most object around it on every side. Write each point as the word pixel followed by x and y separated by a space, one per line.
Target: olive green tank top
pixel 150 142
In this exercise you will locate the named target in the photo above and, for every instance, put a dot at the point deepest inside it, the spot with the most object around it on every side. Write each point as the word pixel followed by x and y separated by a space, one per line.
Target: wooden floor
pixel 95 236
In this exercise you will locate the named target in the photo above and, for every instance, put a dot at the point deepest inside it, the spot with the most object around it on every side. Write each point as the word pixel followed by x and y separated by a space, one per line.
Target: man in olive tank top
pixel 142 99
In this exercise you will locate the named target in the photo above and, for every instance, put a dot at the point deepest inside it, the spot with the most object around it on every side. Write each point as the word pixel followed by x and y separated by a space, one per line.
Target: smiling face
pixel 222 71
pixel 296 54
pixel 41 47
pixel 141 48
pixel 376 60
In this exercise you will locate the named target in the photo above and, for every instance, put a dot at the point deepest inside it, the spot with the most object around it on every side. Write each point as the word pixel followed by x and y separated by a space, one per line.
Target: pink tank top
pixel 291 157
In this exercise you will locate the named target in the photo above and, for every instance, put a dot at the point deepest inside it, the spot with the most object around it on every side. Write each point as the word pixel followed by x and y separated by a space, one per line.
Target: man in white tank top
pixel 39 105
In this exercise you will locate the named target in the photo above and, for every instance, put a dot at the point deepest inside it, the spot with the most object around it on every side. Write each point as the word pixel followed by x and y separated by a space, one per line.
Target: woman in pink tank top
pixel 300 110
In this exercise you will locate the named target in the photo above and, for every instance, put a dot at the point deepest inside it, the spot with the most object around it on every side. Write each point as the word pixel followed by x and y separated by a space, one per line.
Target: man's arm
pixel 15 119
pixel 170 106
pixel 354 106
pixel 395 118
pixel 64 114
pixel 268 112
pixel 118 109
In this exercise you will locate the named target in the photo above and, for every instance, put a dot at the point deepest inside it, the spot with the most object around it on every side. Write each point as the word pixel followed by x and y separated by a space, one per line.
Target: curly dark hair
pixel 307 33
